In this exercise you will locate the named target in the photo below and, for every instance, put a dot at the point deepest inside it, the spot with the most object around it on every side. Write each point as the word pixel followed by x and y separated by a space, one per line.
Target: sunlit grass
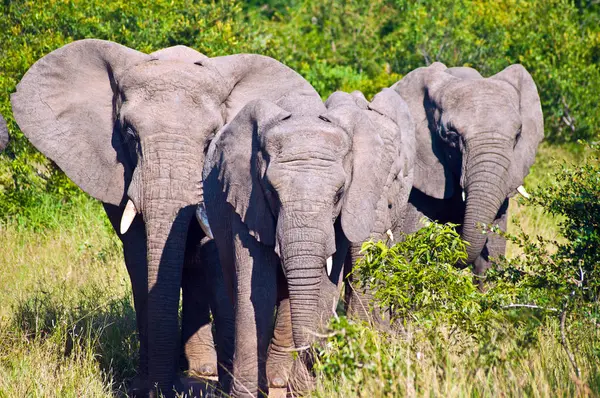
pixel 448 367
pixel 66 319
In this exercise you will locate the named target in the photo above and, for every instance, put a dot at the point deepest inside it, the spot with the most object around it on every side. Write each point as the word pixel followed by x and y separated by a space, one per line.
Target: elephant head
pixel 129 127
pixel 3 134
pixel 476 137
pixel 290 174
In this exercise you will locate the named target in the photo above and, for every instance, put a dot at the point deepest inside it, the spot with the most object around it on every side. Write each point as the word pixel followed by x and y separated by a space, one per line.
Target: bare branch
pixel 564 342
pixel 531 306
pixel 299 349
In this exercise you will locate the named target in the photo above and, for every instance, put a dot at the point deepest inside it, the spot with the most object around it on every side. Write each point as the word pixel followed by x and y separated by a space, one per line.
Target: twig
pixel 564 342
pixel 530 306
pixel 327 335
pixel 299 349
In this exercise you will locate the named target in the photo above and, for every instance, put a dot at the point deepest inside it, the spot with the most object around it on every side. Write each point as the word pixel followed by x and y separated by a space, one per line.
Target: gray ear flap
pixel 3 134
pixel 422 89
pixel 252 76
pixel 398 129
pixel 179 53
pixel 532 130
pixel 65 105
pixel 376 161
pixel 236 153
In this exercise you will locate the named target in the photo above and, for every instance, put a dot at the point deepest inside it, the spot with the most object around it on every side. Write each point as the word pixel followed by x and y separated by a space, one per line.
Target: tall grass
pixel 67 326
pixel 450 366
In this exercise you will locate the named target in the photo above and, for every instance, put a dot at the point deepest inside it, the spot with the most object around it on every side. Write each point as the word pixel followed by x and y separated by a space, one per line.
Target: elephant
pixel 476 140
pixel 3 134
pixel 132 129
pixel 287 189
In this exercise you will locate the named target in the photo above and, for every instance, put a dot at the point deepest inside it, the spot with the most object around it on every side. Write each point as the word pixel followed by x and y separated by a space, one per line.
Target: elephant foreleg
pixel 221 307
pixel 255 291
pixel 196 330
pixel 279 358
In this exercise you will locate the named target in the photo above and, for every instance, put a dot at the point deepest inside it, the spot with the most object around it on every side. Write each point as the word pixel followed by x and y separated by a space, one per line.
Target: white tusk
pixel 203 220
pixel 128 216
pixel 464 196
pixel 522 191
pixel 329 265
pixel 390 234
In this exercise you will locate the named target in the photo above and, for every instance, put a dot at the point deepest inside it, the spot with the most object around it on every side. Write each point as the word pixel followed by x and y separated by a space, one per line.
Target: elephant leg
pixel 494 246
pixel 134 251
pixel 256 294
pixel 199 353
pixel 221 307
pixel 279 358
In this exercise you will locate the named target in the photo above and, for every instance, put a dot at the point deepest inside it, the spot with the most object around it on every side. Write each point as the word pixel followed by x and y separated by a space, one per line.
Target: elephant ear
pixel 252 76
pixel 376 159
pixel 420 89
pixel 180 54
pixel 3 134
pixel 65 105
pixel 235 153
pixel 532 119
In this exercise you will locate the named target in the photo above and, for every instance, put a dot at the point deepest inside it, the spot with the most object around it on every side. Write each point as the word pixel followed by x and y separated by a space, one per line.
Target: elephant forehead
pixel 307 133
pixel 484 93
pixel 168 78
pixel 482 104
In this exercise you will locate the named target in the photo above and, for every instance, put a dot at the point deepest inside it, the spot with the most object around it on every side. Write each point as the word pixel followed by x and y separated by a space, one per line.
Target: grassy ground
pixel 67 325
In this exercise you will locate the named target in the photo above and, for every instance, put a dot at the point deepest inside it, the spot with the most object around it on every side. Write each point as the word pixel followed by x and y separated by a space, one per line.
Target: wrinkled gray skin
pixel 3 134
pixel 276 180
pixel 125 125
pixel 474 134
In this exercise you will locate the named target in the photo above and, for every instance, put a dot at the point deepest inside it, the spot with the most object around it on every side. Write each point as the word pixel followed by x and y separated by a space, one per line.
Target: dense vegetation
pixel 66 319
pixel 348 45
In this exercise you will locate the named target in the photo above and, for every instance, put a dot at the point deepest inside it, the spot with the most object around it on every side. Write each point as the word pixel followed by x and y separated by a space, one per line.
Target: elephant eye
pixel 338 195
pixel 518 136
pixel 130 133
pixel 451 137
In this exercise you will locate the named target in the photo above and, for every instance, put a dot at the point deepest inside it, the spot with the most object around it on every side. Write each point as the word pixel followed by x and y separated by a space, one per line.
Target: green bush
pixel 563 274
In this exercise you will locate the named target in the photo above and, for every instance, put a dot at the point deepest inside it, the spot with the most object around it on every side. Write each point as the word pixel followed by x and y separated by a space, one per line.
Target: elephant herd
pixel 230 181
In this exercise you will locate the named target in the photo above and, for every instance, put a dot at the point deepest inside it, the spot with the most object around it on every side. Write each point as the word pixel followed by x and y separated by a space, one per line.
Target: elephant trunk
pixel 304 248
pixel 486 190
pixel 168 206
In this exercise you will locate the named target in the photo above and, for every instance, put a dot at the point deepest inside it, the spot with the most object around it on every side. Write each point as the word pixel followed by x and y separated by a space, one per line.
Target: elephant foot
pixel 204 370
pixel 301 380
pixel 278 370
pixel 200 353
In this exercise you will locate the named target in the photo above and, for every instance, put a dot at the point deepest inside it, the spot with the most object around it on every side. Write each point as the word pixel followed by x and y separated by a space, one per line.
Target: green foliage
pixel 32 29
pixel 562 273
pixel 557 41
pixel 362 45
